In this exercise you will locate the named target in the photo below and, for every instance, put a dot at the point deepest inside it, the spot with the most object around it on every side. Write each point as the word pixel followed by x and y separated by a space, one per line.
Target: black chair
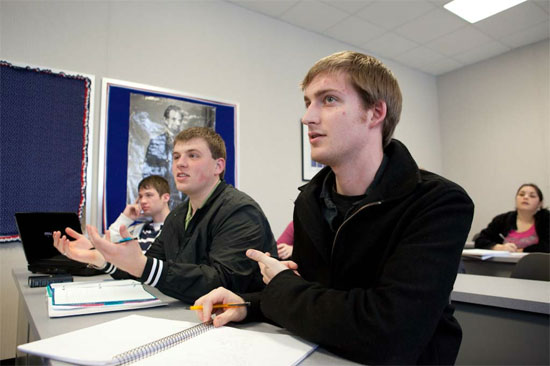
pixel 534 266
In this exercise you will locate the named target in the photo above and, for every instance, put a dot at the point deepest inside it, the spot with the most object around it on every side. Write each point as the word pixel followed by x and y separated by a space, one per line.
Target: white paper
pixel 71 293
pixel 484 254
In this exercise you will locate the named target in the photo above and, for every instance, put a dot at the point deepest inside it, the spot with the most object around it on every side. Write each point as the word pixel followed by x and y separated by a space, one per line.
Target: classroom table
pixel 505 321
pixel 495 266
pixel 34 323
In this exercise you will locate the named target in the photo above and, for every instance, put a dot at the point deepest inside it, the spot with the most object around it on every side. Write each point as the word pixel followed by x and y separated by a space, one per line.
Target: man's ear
pixel 220 166
pixel 379 110
pixel 165 197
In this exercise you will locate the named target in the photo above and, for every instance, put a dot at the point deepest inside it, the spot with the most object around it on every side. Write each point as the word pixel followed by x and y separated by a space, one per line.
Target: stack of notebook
pixel 77 298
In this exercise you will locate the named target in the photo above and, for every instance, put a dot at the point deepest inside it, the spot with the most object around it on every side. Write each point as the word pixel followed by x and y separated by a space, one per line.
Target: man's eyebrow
pixel 187 151
pixel 320 92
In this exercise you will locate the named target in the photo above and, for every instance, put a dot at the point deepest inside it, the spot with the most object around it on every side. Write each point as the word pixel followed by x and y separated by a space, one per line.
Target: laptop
pixel 36 230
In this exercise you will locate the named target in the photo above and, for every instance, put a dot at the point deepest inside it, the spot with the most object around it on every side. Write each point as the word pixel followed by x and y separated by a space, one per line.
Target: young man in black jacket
pixel 377 241
pixel 203 241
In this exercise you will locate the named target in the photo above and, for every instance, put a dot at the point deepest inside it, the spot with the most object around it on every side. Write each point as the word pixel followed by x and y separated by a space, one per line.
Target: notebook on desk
pixel 90 297
pixel 36 230
pixel 151 341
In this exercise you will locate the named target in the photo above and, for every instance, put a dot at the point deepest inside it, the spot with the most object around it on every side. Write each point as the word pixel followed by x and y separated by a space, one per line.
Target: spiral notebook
pixel 145 340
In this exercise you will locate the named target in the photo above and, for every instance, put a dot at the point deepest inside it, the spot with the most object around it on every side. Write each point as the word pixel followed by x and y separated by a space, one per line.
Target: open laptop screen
pixel 36 229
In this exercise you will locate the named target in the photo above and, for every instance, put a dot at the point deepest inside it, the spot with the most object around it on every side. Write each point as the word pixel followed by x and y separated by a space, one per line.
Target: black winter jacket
pixel 504 223
pixel 378 290
pixel 187 264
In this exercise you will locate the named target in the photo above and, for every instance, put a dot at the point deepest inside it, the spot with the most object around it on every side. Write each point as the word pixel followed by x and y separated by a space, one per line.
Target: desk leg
pixel 24 335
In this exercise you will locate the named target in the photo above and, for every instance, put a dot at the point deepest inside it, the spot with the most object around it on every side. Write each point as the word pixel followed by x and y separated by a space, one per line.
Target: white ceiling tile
pixel 349 6
pixel 482 52
pixel 512 20
pixel 418 33
pixel 431 25
pixel 442 66
pixel 272 8
pixel 354 30
pixel 389 45
pixel 419 56
pixel 391 14
pixel 314 15
pixel 460 40
pixel 527 36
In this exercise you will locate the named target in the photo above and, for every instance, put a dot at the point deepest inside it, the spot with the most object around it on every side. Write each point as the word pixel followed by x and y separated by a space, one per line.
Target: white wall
pixel 495 128
pixel 208 48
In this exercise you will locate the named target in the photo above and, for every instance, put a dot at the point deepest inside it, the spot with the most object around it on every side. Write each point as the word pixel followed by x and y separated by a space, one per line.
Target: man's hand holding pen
pixel 270 267
pixel 224 315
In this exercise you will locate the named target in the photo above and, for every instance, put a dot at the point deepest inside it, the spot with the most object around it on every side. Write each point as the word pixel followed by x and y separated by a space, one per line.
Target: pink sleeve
pixel 288 235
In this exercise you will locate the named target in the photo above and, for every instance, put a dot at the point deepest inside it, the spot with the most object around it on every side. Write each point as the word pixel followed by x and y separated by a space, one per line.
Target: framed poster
pixel 46 150
pixel 309 167
pixel 138 125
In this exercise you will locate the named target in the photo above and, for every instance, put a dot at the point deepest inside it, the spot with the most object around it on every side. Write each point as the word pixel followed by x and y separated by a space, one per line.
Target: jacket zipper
pixel 346 220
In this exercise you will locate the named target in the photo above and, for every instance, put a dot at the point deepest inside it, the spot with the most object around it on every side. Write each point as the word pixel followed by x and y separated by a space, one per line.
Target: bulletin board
pixel 45 122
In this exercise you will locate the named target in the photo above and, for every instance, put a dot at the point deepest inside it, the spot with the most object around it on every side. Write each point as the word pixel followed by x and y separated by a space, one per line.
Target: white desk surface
pixel 509 293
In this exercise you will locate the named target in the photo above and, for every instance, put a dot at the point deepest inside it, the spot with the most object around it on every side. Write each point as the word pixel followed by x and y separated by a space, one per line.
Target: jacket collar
pixel 400 176
pixel 220 187
pixel 217 191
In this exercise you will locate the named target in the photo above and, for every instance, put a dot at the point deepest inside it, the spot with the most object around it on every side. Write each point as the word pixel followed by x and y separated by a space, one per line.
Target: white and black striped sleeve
pixel 152 272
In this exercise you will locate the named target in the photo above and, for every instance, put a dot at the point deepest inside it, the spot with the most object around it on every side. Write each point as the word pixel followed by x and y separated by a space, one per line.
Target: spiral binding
pixel 162 344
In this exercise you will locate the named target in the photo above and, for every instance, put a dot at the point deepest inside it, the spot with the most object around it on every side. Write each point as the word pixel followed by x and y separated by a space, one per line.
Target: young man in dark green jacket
pixel 377 240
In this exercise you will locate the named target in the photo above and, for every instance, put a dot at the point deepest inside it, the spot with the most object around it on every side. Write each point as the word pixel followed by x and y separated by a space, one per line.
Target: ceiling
pixel 417 33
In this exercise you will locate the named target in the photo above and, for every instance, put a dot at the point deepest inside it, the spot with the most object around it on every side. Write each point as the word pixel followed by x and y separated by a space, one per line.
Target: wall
pixel 210 48
pixel 495 128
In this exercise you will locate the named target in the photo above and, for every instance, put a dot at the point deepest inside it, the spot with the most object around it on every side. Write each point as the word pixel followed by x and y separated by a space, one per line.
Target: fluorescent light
pixel 476 10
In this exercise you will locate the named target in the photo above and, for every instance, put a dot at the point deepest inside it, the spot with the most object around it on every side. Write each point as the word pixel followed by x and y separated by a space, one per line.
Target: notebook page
pixel 98 344
pixel 229 346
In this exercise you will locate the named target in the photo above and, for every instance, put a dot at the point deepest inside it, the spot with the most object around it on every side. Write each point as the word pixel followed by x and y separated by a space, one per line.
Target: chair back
pixel 534 266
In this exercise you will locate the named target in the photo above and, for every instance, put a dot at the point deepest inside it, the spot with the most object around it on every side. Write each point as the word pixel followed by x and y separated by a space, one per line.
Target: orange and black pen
pixel 220 306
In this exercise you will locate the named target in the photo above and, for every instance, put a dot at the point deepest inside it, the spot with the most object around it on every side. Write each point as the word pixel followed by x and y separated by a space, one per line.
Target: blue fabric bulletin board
pixel 44 143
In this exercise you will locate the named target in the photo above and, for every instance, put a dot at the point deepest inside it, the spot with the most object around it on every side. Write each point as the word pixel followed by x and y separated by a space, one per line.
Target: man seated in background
pixel 153 201
pixel 202 244
pixel 377 241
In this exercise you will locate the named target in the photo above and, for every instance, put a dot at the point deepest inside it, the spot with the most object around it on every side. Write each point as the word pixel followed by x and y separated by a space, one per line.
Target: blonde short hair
pixel 372 80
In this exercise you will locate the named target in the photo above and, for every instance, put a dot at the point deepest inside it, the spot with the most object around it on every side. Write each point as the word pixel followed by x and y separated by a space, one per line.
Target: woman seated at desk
pixel 524 230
